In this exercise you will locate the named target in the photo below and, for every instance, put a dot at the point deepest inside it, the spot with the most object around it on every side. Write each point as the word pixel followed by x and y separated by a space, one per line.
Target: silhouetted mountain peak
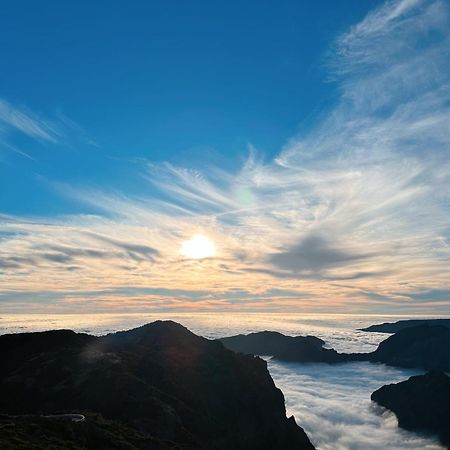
pixel 154 336
pixel 160 379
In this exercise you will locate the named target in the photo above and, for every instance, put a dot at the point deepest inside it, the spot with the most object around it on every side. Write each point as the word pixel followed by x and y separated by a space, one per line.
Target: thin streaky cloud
pixel 28 123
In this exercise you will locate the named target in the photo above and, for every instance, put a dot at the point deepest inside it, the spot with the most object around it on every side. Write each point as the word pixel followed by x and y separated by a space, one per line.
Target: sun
pixel 198 247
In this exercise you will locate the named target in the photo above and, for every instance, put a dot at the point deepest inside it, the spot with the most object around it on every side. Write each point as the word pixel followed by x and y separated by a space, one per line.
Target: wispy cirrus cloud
pixel 19 119
pixel 362 196
pixel 59 131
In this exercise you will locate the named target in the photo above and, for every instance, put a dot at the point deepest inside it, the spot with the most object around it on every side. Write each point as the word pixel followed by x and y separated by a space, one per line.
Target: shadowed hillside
pixel 164 385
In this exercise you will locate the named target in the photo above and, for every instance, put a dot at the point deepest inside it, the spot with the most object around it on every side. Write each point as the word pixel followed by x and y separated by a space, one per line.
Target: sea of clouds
pixel 332 403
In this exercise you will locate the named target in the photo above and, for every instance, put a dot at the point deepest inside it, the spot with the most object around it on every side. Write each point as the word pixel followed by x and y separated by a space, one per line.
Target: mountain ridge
pixel 424 346
pixel 160 380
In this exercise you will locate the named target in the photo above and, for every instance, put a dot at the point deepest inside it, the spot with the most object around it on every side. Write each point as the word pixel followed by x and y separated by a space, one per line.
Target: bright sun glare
pixel 198 247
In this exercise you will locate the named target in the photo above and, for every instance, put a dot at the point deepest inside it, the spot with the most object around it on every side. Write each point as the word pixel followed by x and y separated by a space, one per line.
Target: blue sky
pixel 167 81
pixel 308 141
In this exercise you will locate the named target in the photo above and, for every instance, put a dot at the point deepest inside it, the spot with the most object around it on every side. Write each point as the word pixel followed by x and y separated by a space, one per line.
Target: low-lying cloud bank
pixel 333 405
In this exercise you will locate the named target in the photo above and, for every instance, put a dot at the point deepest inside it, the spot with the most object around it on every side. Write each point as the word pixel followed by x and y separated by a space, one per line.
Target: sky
pixel 225 156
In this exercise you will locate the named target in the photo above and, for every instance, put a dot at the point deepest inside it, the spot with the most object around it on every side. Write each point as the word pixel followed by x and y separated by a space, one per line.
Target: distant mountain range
pixel 421 403
pixel 394 327
pixel 424 346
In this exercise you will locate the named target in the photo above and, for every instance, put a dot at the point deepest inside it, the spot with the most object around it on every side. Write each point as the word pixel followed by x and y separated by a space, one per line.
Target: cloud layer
pixel 332 403
pixel 353 214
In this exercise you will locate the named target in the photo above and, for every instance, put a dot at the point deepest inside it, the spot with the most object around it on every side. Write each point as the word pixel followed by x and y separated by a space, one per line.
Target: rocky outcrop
pixel 426 347
pixel 421 403
pixel 284 348
pixel 160 381
pixel 394 327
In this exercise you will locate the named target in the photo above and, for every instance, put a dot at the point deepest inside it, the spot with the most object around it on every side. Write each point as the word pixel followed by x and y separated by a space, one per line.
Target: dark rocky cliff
pixel 164 385
pixel 421 403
